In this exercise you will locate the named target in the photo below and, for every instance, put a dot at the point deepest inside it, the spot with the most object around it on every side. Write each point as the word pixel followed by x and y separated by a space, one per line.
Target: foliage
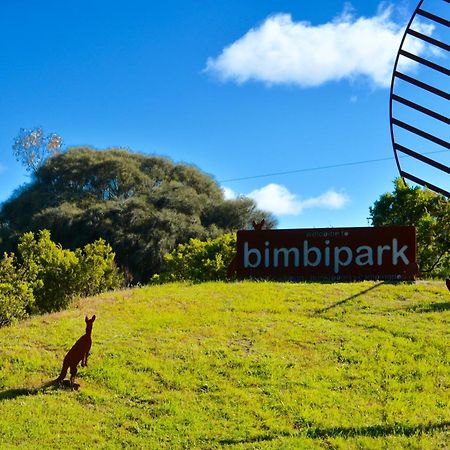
pixel 144 206
pixel 56 275
pixel 429 213
pixel 50 270
pixel 236 365
pixel 32 147
pixel 96 271
pixel 199 260
pixel 16 295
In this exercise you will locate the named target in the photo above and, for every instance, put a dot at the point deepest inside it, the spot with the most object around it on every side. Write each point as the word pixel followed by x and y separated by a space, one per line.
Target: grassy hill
pixel 245 365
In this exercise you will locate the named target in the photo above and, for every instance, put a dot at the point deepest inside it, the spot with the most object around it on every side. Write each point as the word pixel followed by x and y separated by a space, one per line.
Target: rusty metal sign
pixel 419 98
pixel 334 254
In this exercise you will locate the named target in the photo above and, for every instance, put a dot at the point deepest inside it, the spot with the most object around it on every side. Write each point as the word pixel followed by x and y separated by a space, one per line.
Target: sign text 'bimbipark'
pixel 385 253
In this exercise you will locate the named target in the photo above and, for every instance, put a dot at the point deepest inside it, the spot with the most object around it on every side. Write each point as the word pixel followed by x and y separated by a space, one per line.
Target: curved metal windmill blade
pixel 420 98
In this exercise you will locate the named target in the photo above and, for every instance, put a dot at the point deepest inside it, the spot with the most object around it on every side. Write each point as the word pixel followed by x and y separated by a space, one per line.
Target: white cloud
pixel 228 193
pixel 281 51
pixel 278 200
pixel 330 200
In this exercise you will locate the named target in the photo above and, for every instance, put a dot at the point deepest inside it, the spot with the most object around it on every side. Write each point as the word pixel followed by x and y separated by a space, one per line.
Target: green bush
pixel 16 295
pixel 51 270
pixel 199 260
pixel 96 271
pixel 429 213
pixel 57 275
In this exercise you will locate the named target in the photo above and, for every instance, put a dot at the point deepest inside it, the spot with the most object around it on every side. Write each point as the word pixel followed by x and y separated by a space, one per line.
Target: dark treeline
pixel 142 205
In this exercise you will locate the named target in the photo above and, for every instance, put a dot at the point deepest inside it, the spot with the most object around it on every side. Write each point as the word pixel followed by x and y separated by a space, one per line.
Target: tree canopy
pixel 142 205
pixel 429 213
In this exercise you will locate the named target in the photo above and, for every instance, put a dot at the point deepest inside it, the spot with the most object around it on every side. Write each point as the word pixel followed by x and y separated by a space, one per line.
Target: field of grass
pixel 239 366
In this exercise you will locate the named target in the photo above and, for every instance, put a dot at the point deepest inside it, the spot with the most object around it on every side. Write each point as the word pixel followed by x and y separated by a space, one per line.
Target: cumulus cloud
pixel 282 51
pixel 330 200
pixel 228 193
pixel 278 200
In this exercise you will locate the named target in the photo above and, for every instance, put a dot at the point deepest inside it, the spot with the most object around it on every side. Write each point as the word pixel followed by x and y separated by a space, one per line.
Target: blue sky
pixel 237 88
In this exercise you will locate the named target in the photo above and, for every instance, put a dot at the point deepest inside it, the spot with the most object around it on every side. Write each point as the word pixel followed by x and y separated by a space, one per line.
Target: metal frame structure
pixel 394 97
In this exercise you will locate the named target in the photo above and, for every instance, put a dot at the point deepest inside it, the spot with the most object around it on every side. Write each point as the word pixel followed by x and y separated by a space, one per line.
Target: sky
pixel 277 100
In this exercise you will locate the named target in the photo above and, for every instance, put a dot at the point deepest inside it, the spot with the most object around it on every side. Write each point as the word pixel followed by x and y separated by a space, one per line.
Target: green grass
pixel 244 365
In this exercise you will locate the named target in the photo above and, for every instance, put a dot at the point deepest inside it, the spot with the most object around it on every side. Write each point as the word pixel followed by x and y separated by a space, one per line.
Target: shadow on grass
pixel 254 439
pixel 377 430
pixel 11 394
pixel 345 300
pixel 434 307
pixel 346 432
pixel 393 333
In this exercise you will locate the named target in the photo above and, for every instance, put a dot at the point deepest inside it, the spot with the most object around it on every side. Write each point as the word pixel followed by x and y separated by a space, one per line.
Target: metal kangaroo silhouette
pixel 258 226
pixel 78 353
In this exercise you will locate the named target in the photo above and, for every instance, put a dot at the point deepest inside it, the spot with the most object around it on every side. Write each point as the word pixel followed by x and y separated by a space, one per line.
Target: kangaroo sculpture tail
pixel 63 373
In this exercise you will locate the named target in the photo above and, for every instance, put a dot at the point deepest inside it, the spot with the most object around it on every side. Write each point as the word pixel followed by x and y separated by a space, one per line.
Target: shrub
pixel 16 295
pixel 50 270
pixel 429 213
pixel 57 275
pixel 199 260
pixel 96 271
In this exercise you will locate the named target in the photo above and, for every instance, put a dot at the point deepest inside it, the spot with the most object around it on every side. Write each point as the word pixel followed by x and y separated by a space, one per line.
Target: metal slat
pixel 433 17
pixel 422 158
pixel 422 85
pixel 425 62
pixel 420 108
pixel 429 39
pixel 421 133
pixel 424 183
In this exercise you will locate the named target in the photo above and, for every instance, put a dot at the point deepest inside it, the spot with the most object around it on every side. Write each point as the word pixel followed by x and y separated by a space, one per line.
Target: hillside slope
pixel 244 365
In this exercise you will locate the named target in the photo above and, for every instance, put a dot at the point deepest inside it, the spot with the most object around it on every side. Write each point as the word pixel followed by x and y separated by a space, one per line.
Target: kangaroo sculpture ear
pixel 93 318
pixel 86 319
